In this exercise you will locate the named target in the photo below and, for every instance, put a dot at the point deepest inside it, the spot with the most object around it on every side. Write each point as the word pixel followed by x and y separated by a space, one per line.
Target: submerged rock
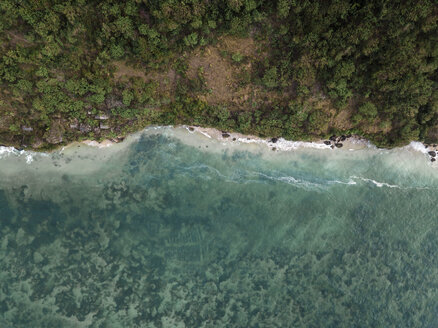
pixel 225 135
pixel 327 142
pixel 338 145
pixel 191 128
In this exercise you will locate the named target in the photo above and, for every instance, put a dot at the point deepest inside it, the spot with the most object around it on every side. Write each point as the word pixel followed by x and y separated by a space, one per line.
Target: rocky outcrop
pixel 55 134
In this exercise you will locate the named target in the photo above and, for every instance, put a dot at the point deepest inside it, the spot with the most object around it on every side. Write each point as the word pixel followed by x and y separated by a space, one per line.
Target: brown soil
pixel 17 38
pixel 342 120
pixel 224 77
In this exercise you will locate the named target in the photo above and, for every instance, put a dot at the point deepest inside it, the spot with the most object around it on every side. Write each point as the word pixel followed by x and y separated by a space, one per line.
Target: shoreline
pixel 350 143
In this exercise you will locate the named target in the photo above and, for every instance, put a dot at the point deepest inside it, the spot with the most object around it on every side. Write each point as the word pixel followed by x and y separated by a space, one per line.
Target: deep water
pixel 172 229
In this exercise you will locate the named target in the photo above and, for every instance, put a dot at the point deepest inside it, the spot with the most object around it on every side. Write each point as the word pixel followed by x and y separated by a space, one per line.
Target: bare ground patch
pixel 226 80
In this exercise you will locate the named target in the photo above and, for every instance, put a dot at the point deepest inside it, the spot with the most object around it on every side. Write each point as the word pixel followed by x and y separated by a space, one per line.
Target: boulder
pixel 37 143
pixel 274 140
pixel 338 145
pixel 432 153
pixel 342 138
pixel 225 135
pixel 113 102
pixel 332 138
pixel 327 142
pixel 101 117
pixel 432 159
pixel 84 128
pixel 55 133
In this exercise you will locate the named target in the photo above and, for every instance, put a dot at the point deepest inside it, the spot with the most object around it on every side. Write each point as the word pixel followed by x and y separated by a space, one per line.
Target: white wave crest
pixel 377 183
pixel 285 145
pixel 417 146
pixel 8 151
pixel 349 182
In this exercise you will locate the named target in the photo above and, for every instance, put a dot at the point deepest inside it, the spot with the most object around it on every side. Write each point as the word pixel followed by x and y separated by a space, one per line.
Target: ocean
pixel 172 228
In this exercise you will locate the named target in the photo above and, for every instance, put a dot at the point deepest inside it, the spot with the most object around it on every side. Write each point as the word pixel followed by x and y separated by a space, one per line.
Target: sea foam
pixel 417 146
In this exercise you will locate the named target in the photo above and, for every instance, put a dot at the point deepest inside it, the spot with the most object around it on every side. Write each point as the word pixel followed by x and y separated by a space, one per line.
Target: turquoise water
pixel 172 229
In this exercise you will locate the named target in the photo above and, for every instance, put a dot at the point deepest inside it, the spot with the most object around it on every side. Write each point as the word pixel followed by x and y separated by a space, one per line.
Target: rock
pixel 332 146
pixel 274 140
pixel 191 128
pixel 274 148
pixel 342 138
pixel 26 128
pixel 432 153
pixel 332 138
pixel 234 139
pixel 104 126
pixel 225 135
pixel 432 159
pixel 37 143
pixel 73 126
pixel 327 142
pixel 338 145
pixel 112 102
pixel 84 128
pixel 101 117
pixel 55 134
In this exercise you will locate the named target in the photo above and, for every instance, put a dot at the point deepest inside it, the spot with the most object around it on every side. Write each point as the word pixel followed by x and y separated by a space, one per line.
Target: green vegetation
pixel 299 69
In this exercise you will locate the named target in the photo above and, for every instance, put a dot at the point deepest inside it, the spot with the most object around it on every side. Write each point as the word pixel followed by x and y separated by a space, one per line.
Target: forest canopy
pixel 298 69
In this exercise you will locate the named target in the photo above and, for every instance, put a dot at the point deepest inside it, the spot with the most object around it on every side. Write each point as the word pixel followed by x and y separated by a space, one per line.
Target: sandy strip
pixel 352 143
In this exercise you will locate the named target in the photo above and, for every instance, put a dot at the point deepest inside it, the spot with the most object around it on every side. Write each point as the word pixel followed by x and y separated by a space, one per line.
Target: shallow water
pixel 173 229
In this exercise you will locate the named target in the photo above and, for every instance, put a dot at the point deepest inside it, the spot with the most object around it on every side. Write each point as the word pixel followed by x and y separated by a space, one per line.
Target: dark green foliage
pixel 378 60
